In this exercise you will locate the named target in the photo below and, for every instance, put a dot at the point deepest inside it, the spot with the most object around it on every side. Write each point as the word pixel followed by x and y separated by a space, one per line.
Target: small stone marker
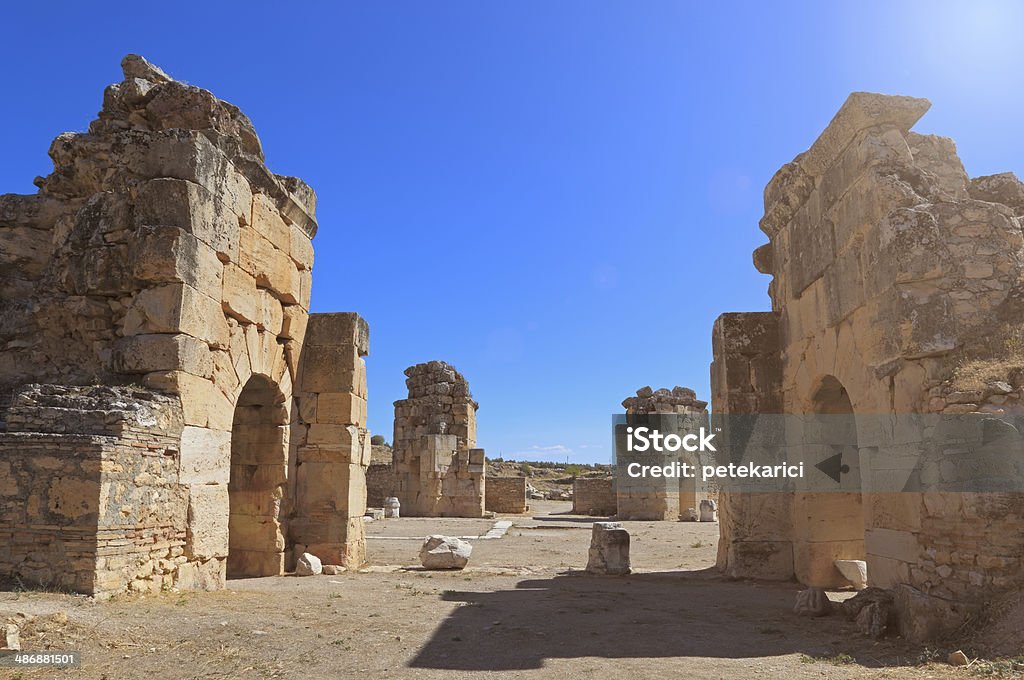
pixel 308 565
pixel 11 639
pixel 445 552
pixel 708 510
pixel 392 508
pixel 609 549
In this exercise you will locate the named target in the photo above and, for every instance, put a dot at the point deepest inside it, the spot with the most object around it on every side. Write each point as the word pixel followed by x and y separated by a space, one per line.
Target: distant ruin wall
pixel 380 484
pixel 506 495
pixel 645 502
pixel 439 471
pixel 594 497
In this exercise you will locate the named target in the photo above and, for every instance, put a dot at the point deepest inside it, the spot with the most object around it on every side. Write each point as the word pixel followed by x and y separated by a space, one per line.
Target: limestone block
pixel 445 552
pixel 341 409
pixel 271 314
pixel 247 532
pixel 293 322
pixel 339 328
pixel 301 248
pixel 896 545
pixel 185 204
pixel 308 565
pixel 267 221
pixel 172 255
pixel 854 571
pixel 177 308
pixel 276 272
pixel 332 368
pixel 609 549
pixel 162 352
pixel 204 456
pixel 240 297
pixel 203 404
pixel 331 487
pixel 207 535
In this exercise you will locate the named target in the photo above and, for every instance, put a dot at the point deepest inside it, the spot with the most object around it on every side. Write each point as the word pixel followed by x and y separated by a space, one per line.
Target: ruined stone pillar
pixel 331 442
pixel 439 471
pixel 663 503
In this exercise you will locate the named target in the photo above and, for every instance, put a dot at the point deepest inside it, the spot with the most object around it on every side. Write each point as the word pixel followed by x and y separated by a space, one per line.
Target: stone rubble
pixel 445 552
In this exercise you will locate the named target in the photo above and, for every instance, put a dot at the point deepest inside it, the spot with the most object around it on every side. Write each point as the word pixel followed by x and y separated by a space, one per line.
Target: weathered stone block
pixel 162 352
pixel 207 522
pixel 204 456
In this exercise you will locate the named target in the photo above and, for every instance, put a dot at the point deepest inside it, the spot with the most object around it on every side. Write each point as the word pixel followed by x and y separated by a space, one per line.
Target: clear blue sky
pixel 500 183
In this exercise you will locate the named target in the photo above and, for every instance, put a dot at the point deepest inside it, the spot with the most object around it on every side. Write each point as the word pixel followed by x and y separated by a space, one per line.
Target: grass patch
pixel 836 660
pixel 1004 668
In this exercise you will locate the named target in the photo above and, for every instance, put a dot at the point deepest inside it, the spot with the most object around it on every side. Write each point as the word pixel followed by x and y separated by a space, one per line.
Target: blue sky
pixel 503 185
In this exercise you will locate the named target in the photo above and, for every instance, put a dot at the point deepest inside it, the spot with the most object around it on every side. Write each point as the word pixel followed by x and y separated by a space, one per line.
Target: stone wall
pixel 506 495
pixel 594 496
pixel 665 503
pixel 896 281
pixel 162 254
pixel 439 471
pixel 380 484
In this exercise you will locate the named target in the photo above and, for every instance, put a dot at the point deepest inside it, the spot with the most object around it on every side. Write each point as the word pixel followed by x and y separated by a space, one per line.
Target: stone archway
pixel 258 482
pixel 828 525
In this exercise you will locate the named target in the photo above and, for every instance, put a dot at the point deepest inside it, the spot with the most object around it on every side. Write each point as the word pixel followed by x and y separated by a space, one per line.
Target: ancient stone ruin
pixel 171 412
pixel 506 495
pixel 439 472
pixel 896 291
pixel 665 503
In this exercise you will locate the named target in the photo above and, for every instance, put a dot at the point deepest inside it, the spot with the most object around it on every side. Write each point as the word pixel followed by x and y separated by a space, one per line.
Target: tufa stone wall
pixel 594 496
pixel 161 254
pixel 896 290
pixel 506 495
pixel 439 471
pixel 665 504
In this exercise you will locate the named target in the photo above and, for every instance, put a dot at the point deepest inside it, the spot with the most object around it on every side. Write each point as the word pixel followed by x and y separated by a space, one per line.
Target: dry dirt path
pixel 523 609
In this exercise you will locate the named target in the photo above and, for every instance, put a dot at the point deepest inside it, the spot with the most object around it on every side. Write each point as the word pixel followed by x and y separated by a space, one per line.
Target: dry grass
pixel 999 354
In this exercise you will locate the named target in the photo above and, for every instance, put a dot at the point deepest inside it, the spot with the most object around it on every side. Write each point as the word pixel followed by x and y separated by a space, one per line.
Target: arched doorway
pixel 259 475
pixel 828 524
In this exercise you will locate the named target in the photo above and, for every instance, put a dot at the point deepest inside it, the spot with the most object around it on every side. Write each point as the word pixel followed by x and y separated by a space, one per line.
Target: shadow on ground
pixel 652 615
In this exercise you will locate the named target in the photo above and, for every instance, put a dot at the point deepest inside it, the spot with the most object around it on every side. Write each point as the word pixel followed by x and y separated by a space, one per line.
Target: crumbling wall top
pixel 677 400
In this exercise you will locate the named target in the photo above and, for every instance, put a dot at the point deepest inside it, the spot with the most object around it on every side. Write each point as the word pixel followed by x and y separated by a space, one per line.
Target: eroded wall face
pixel 439 472
pixel 507 495
pixel 897 277
pixel 162 253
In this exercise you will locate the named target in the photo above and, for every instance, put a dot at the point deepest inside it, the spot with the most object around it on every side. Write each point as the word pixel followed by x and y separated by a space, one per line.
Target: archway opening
pixel 829 523
pixel 257 486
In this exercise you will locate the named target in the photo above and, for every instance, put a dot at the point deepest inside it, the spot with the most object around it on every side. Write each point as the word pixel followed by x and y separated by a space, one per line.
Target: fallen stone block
pixel 333 569
pixel 854 571
pixel 308 565
pixel 812 602
pixel 609 549
pixel 445 552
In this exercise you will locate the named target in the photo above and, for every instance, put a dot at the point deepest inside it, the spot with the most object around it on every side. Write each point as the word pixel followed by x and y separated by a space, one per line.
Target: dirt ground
pixel 522 609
